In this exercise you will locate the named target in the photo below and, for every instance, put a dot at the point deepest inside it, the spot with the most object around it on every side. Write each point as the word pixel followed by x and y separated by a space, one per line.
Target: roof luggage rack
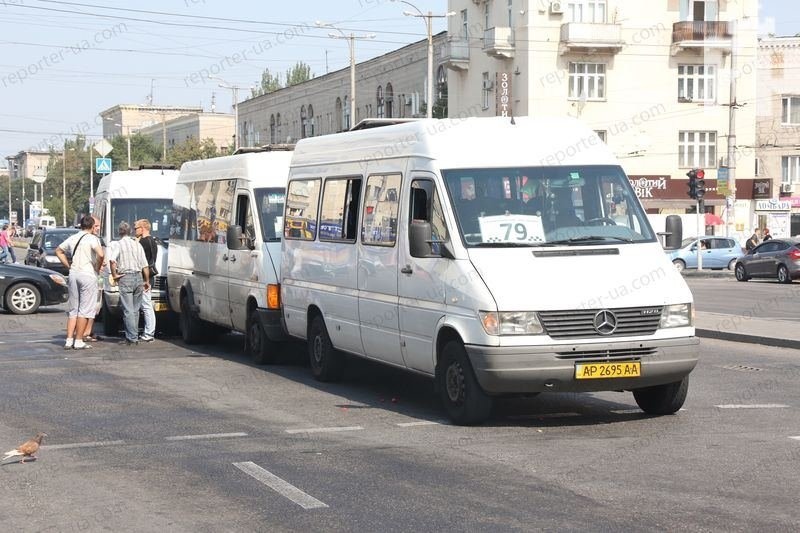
pixel 266 148
pixel 157 167
pixel 368 123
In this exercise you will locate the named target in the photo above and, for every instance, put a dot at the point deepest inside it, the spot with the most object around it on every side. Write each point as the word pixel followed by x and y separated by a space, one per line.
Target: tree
pixel 144 150
pixel 440 106
pixel 269 83
pixel 77 180
pixel 191 150
pixel 298 74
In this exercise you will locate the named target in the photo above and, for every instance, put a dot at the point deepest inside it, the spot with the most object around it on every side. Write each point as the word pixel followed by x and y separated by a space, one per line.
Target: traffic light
pixel 700 184
pixel 692 191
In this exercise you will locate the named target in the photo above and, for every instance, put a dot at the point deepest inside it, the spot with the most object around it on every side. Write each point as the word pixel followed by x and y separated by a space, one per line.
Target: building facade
pixel 654 84
pixel 778 136
pixel 218 127
pixel 389 86
pixel 31 168
pixel 125 119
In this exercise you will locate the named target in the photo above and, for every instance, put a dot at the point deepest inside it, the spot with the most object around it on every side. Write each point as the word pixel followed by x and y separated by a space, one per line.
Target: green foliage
pixel 440 106
pixel 298 74
pixel 191 150
pixel 269 83
pixel 144 150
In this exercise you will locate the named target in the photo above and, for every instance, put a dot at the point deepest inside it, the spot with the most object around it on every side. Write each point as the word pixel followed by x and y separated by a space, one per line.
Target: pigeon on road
pixel 26 449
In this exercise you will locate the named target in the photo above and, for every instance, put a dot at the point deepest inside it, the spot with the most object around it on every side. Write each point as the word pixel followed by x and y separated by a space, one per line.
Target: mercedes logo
pixel 605 322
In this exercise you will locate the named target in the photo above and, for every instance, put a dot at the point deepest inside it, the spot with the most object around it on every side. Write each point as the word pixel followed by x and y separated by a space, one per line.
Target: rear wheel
pixel 662 399
pixel 462 396
pixel 679 265
pixel 327 364
pixel 732 264
pixel 261 349
pixel 23 299
pixel 191 327
pixel 741 273
pixel 783 274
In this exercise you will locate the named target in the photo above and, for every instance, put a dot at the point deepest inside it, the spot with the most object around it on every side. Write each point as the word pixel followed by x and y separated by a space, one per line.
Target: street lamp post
pixel 235 88
pixel 429 26
pixel 351 39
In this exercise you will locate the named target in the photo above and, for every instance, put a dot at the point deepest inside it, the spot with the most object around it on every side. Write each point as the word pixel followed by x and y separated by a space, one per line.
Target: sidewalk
pixel 752 330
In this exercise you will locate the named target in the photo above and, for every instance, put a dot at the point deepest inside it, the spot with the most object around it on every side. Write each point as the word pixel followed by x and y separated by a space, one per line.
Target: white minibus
pixel 225 246
pixel 128 196
pixel 499 256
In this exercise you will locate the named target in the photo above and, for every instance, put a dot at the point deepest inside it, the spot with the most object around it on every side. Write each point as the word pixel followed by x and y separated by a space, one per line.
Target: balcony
pixel 589 37
pixel 499 42
pixel 701 34
pixel 455 53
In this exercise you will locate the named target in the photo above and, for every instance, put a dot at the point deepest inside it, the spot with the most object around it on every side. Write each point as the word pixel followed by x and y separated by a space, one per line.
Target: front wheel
pixel 261 349
pixel 662 399
pixel 192 331
pixel 462 396
pixel 741 273
pixel 327 363
pixel 679 265
pixel 23 299
pixel 783 274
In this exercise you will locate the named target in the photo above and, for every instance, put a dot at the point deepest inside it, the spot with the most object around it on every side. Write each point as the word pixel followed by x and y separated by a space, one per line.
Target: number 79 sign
pixel 512 228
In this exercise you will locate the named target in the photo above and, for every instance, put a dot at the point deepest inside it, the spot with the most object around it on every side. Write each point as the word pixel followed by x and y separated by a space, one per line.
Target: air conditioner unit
pixel 555 8
pixel 488 85
pixel 787 188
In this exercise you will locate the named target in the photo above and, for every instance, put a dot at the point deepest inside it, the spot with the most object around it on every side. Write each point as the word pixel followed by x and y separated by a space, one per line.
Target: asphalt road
pixel 759 298
pixel 165 438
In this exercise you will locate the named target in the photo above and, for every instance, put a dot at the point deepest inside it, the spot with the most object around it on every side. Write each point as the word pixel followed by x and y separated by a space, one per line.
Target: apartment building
pixel 218 127
pixel 124 119
pixel 778 135
pixel 653 82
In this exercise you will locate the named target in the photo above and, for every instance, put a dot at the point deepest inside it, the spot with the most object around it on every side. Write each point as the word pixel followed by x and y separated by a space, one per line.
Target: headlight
pixel 58 279
pixel 52 259
pixel 676 316
pixel 511 323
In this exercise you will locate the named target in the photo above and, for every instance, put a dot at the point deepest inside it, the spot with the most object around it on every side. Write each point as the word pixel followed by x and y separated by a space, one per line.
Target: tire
pixel 783 275
pixel 741 273
pixel 463 398
pixel 111 324
pixel 679 265
pixel 262 350
pixel 192 329
pixel 732 264
pixel 662 399
pixel 327 364
pixel 23 299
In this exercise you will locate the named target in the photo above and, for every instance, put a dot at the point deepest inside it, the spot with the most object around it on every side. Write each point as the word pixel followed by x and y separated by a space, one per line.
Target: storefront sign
pixel 762 189
pixel 722 181
pixel 773 205
pixel 665 188
pixel 646 185
pixel 503 93
pixel 795 200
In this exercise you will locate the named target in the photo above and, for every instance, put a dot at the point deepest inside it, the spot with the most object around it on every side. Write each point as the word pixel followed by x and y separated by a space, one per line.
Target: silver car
pixel 775 258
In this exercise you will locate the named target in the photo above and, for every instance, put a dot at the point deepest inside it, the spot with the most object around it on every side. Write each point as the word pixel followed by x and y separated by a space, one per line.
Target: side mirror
pixel 419 237
pixel 234 238
pixel 674 232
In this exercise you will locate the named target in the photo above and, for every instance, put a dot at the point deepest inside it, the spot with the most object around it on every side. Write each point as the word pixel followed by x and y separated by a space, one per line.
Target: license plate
pixel 159 306
pixel 621 369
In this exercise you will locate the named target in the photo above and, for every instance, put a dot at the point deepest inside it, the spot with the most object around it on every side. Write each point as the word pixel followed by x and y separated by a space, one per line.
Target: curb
pixel 721 274
pixel 749 339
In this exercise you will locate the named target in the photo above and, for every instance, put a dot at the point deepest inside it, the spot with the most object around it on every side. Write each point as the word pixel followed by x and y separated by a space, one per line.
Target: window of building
pixel 790 110
pixel 339 212
pixel 487 9
pixel 389 100
pixel 486 87
pixel 339 114
pixel 379 98
pixel 303 120
pixel 310 121
pixel 587 11
pixel 697 149
pixel 790 169
pixel 587 81
pixel 278 129
pixel 464 25
pixel 272 131
pixel 697 83
pixel 302 198
pixel 699 10
pixel 381 206
pixel 510 13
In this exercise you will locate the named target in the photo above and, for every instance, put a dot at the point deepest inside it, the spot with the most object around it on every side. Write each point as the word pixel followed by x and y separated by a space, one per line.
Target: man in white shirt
pixel 129 266
pixel 87 259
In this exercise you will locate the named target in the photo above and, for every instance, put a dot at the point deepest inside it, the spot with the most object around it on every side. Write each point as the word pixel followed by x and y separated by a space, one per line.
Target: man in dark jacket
pixel 142 229
pixel 751 243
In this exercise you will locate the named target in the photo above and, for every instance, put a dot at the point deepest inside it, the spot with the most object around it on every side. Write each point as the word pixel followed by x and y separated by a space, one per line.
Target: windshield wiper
pixel 504 244
pixel 587 238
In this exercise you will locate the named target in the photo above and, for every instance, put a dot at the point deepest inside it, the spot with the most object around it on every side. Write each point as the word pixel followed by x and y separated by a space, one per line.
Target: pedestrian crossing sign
pixel 102 165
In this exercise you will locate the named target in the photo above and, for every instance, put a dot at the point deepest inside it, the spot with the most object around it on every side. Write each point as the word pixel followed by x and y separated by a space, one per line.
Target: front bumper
pixel 526 369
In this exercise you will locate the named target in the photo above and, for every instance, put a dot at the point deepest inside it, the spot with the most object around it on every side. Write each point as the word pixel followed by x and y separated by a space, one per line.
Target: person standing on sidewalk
pixel 87 260
pixel 129 265
pixel 148 242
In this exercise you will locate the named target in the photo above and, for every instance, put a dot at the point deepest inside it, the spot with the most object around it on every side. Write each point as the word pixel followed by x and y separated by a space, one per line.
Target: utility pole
pixel 235 89
pixel 730 199
pixel 64 186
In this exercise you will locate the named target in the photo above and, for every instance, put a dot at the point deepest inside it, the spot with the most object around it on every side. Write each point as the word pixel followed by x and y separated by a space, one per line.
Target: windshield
pixel 157 211
pixel 269 205
pixel 53 238
pixel 540 206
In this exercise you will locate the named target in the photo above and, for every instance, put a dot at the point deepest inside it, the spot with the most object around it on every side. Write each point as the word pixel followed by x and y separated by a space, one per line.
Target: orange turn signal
pixel 273 296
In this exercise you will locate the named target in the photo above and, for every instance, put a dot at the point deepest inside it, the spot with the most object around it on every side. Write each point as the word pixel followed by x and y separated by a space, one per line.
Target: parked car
pixel 25 288
pixel 42 250
pixel 718 253
pixel 775 258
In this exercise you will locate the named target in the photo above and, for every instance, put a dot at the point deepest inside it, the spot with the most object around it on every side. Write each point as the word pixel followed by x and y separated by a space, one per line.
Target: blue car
pixel 718 253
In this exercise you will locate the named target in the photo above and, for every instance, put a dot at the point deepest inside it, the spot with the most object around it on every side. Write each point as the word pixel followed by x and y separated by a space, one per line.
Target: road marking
pixel 284 488
pixel 795 438
pixel 95 444
pixel 208 436
pixel 325 430
pixel 418 423
pixel 753 406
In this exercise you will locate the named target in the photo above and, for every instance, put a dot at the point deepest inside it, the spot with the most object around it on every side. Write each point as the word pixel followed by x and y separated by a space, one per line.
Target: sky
pixel 62 62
